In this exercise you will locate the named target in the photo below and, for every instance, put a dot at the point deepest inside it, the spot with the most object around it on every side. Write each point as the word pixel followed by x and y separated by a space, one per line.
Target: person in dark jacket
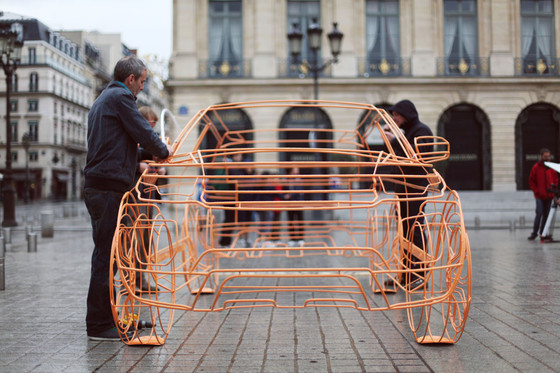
pixel 405 116
pixel 115 129
pixel 541 179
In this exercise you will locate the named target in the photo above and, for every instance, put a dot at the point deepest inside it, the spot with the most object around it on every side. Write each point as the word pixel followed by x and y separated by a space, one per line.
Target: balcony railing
pixel 463 66
pixel 47 60
pixel 289 69
pixel 544 67
pixel 224 69
pixel 370 68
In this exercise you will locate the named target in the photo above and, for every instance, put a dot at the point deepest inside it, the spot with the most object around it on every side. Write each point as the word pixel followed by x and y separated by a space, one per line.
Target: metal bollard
pixel 7 235
pixel 47 224
pixel 66 210
pixel 2 267
pixel 32 242
pixel 28 229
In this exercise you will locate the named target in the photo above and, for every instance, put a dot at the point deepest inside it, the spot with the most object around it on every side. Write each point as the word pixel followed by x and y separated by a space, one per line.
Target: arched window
pixel 227 120
pixel 302 128
pixel 537 127
pixel 469 166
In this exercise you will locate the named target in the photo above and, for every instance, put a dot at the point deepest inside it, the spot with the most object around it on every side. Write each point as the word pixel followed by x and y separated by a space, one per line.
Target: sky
pixel 145 25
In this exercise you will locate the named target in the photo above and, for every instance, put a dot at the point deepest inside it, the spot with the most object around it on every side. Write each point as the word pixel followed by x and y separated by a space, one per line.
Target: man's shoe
pixel 108 335
pixel 532 236
pixel 545 239
pixel 147 285
pixel 391 283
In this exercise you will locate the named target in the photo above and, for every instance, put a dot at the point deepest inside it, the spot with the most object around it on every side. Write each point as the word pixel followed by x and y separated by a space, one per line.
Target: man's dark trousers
pixel 542 209
pixel 413 209
pixel 103 208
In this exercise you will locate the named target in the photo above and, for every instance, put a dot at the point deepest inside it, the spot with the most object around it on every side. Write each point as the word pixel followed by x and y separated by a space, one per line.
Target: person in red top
pixel 540 180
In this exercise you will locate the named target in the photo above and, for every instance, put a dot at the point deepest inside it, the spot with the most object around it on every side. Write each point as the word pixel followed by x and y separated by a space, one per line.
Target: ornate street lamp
pixel 26 142
pixel 11 43
pixel 314 33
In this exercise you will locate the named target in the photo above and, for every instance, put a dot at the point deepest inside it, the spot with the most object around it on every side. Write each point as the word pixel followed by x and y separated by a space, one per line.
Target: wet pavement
pixel 513 325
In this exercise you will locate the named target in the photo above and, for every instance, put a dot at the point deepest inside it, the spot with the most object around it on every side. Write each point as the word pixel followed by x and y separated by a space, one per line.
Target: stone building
pixel 50 99
pixel 60 75
pixel 482 73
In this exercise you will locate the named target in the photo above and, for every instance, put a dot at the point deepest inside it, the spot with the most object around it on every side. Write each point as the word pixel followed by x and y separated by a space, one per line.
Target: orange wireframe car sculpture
pixel 350 242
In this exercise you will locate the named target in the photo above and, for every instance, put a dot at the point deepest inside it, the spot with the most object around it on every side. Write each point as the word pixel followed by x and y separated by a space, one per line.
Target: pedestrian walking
pixel 541 180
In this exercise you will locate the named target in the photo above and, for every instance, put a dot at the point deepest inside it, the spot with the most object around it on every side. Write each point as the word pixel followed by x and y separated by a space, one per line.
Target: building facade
pixel 60 75
pixel 484 74
pixel 51 96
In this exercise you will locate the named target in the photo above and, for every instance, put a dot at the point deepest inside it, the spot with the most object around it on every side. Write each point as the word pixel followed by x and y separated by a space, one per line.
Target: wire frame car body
pixel 293 217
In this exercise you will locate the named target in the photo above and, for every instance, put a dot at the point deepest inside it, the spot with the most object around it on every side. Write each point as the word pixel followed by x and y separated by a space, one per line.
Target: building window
pixel 33 82
pixel 14 83
pixel 14 105
pixel 14 156
pixel 537 37
pixel 32 56
pixel 383 37
pixel 14 131
pixel 32 105
pixel 225 39
pixel 302 14
pixel 33 130
pixel 460 43
pixel 33 156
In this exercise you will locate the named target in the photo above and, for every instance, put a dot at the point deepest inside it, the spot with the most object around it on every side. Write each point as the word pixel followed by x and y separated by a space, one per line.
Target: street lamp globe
pixel 11 44
pixel 314 32
pixel 294 41
pixel 335 40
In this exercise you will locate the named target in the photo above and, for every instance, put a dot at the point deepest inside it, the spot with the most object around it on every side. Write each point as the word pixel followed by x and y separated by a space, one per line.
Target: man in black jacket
pixel 115 128
pixel 411 190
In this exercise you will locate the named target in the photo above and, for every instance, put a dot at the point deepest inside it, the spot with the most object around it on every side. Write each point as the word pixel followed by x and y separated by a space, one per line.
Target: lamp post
pixel 314 32
pixel 26 142
pixel 73 164
pixel 11 43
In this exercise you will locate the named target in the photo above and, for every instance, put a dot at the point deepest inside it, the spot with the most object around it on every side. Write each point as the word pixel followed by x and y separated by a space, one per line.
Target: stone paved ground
pixel 513 326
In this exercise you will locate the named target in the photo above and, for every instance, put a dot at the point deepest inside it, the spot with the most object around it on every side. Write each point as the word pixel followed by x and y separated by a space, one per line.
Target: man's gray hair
pixel 128 65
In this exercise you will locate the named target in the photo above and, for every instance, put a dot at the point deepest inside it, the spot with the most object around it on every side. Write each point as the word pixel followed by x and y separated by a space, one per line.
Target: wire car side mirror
pixel 439 145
